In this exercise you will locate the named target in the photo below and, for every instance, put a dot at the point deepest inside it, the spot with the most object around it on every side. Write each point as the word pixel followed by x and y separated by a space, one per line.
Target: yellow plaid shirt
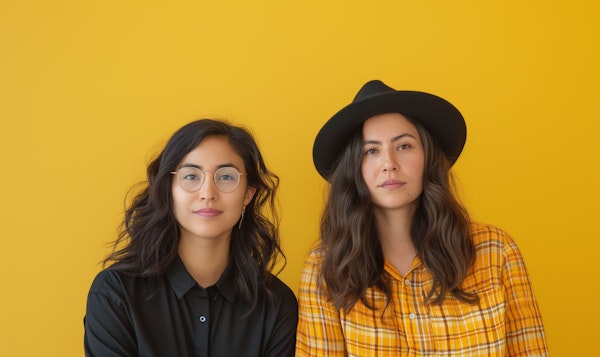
pixel 505 322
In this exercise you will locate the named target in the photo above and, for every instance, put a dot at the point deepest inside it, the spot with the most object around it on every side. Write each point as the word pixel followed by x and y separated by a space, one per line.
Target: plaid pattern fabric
pixel 505 322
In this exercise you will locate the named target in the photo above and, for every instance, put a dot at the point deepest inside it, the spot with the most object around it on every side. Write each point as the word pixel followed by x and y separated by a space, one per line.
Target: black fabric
pixel 174 316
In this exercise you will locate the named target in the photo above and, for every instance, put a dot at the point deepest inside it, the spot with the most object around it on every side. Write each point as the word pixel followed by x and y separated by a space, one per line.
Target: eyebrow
pixel 394 139
pixel 218 167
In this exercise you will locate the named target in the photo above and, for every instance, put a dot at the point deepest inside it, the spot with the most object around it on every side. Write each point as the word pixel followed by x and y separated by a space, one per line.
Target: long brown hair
pixel 354 261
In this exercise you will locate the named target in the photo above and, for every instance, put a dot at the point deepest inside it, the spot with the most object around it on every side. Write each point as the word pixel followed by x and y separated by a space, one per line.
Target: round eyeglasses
pixel 191 178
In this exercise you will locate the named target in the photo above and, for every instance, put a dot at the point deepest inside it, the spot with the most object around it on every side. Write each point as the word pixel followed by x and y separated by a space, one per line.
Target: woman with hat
pixel 401 269
pixel 191 273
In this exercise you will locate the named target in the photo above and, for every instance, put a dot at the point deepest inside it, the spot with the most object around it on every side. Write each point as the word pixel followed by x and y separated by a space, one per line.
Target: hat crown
pixel 372 88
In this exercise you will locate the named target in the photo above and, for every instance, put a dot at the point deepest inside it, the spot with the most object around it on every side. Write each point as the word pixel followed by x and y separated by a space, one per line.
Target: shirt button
pixel 407 281
pixel 202 319
pixel 412 316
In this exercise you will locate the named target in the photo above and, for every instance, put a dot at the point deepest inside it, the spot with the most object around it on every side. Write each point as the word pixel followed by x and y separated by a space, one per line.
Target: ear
pixel 250 191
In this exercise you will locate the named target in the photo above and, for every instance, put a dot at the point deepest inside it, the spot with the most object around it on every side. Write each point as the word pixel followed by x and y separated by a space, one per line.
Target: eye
pixel 226 177
pixel 191 177
pixel 190 174
pixel 402 147
pixel 227 174
pixel 371 151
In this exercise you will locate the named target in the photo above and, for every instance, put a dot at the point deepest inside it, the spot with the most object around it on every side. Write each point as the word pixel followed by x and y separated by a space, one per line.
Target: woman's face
pixel 393 162
pixel 209 213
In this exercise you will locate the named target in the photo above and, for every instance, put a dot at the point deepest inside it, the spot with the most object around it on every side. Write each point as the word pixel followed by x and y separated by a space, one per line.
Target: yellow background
pixel 91 90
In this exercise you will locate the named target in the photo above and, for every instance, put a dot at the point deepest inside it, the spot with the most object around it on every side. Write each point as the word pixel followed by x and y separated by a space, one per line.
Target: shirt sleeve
pixel 107 328
pixel 524 329
pixel 283 339
pixel 319 330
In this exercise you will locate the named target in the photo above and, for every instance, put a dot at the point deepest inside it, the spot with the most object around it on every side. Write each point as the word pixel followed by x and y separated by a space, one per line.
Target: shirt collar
pixel 391 269
pixel 226 284
pixel 181 281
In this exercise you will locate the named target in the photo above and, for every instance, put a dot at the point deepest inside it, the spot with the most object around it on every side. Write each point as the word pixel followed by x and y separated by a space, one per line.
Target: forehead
pixel 388 126
pixel 212 152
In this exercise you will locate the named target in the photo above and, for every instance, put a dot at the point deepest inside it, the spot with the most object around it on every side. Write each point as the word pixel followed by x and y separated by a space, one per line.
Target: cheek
pixel 180 200
pixel 418 170
pixel 421 164
pixel 367 170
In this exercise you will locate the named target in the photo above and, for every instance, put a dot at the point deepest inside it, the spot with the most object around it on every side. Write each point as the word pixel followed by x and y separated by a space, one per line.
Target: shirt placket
pixel 414 313
pixel 202 321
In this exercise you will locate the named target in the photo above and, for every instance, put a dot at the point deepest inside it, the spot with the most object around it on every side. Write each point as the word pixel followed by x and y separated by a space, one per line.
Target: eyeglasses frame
pixel 214 172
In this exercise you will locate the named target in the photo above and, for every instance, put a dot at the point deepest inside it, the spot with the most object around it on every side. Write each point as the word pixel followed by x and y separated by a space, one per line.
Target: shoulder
pixel 107 280
pixel 116 285
pixel 493 244
pixel 312 264
pixel 107 287
pixel 283 294
pixel 489 236
pixel 315 257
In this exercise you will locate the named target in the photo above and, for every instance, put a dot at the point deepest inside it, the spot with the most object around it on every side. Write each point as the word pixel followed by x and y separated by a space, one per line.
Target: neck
pixel 204 260
pixel 394 229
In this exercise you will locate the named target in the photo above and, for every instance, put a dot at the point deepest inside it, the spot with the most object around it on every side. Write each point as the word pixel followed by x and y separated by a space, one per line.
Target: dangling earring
pixel 241 219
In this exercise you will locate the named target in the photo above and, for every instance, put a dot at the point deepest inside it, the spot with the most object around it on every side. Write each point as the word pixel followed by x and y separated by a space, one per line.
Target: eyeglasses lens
pixel 191 178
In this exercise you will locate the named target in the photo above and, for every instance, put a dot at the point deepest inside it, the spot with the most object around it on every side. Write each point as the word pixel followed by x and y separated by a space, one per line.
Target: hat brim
pixel 443 120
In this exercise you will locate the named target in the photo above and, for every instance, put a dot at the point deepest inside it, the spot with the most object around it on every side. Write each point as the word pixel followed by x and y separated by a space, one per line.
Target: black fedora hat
pixel 443 121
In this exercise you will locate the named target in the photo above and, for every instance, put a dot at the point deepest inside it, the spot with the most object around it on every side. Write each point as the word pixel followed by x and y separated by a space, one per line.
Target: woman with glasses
pixel 402 270
pixel 190 273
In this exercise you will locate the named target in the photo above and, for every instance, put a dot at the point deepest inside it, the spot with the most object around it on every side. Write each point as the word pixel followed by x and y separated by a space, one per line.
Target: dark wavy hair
pixel 354 261
pixel 149 234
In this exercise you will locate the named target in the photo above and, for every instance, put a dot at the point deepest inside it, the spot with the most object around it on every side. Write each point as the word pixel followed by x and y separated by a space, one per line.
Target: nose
pixel 208 190
pixel 389 162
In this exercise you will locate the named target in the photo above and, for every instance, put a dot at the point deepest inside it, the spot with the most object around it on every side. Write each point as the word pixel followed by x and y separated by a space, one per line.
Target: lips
pixel 391 184
pixel 208 212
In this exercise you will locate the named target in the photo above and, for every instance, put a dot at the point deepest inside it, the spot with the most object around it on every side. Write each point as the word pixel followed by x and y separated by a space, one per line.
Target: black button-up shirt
pixel 174 316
